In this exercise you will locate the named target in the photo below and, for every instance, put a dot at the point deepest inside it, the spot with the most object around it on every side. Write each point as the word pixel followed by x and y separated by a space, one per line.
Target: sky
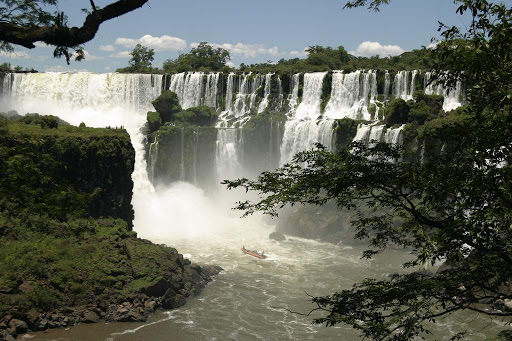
pixel 253 31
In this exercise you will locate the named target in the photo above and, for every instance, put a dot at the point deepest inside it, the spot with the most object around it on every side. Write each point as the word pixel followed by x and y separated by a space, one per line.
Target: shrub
pixel 167 104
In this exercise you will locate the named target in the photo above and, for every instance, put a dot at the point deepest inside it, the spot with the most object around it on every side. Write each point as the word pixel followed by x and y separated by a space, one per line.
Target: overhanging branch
pixel 27 35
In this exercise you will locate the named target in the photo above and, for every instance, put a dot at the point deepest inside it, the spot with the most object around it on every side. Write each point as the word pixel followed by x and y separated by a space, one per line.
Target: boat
pixel 253 253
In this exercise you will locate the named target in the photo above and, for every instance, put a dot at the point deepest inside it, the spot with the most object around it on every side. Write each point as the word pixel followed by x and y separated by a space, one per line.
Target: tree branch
pixel 26 35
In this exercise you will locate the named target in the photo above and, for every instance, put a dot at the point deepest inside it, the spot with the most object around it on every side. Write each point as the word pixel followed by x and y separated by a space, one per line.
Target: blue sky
pixel 253 31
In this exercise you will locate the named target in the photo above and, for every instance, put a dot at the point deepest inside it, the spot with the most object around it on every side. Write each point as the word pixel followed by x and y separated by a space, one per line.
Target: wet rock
pixel 277 236
pixel 42 324
pixel 32 317
pixel 209 271
pixel 18 326
pixel 90 317
pixel 177 282
pixel 157 288
pixel 127 313
pixel 9 337
pixel 149 307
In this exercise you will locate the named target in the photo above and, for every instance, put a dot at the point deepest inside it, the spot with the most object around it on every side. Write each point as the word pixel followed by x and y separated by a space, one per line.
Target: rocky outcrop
pixel 325 223
pixel 277 236
pixel 184 280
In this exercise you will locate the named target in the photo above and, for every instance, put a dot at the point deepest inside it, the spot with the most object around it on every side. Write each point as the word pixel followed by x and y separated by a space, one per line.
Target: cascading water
pixel 236 113
pixel 189 88
pixel 404 84
pixel 387 85
pixel 152 157
pixel 372 133
pixel 309 107
pixel 227 156
pixel 212 84
pixel 264 103
pixel 293 100
pixel 303 131
pixel 280 95
pixel 394 136
pixel 453 98
pixel 351 93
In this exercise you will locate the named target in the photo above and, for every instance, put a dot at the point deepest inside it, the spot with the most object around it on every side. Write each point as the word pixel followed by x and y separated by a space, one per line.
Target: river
pixel 252 299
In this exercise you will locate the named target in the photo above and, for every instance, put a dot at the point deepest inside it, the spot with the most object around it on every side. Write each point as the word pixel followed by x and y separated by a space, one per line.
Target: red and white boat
pixel 253 253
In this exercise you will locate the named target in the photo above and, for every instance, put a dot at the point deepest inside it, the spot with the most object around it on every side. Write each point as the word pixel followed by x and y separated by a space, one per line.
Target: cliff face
pixel 67 251
pixel 69 171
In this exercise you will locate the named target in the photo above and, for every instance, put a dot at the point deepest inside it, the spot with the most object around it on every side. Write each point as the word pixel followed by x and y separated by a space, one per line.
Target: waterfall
pixel 210 97
pixel 280 95
pixel 363 133
pixel 453 98
pixel 237 113
pixel 191 92
pixel 293 100
pixel 351 93
pixel 83 90
pixel 309 108
pixel 303 135
pixel 196 148
pixel 413 84
pixel 303 131
pixel 182 154
pixel 404 84
pixel 246 97
pixel 152 157
pixel 227 155
pixel 366 133
pixel 370 134
pixel 229 92
pixel 387 85
pixel 264 103
pixel 394 136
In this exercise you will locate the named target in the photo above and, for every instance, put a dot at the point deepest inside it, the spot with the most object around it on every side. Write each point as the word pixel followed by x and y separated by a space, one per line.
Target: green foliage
pixel 45 173
pixel 200 116
pixel 344 132
pixel 140 61
pixel 397 112
pixel 327 58
pixel 154 121
pixel 204 57
pixel 167 105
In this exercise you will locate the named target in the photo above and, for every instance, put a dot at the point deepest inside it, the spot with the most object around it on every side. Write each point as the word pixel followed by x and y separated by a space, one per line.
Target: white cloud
pixel 302 53
pixel 230 64
pixel 15 55
pixel 372 48
pixel 163 43
pixel 121 54
pixel 41 58
pixel 246 50
pixel 107 48
pixel 108 68
pixel 89 57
